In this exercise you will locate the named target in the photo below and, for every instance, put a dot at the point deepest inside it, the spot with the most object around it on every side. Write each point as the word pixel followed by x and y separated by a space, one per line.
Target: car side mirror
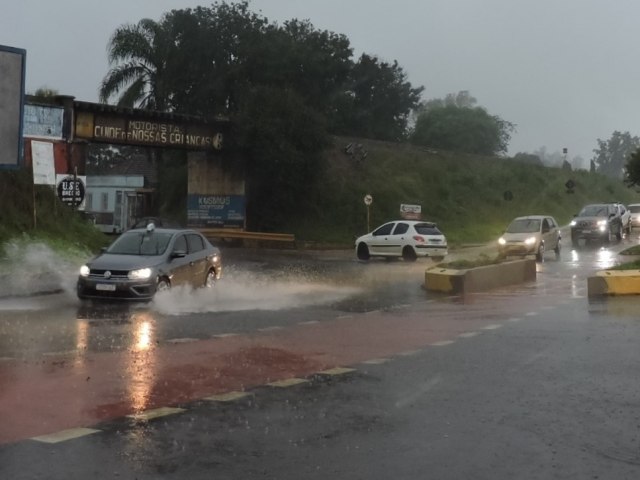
pixel 178 254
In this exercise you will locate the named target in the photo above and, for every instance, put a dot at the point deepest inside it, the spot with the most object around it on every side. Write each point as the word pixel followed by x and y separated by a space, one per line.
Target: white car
pixel 403 238
pixel 634 209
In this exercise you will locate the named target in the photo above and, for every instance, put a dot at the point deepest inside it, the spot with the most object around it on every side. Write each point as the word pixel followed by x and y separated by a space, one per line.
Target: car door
pixel 549 234
pixel 197 259
pixel 398 238
pixel 380 239
pixel 179 265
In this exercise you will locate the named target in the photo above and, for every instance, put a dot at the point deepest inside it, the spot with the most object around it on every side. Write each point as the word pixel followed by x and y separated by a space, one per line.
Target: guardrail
pixel 244 235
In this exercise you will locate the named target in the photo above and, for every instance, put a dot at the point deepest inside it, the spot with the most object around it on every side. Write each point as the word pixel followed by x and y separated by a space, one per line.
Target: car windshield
pixel 141 243
pixel 524 225
pixel 427 229
pixel 594 211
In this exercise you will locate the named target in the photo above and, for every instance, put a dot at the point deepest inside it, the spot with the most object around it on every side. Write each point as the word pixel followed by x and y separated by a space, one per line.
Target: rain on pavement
pixel 275 315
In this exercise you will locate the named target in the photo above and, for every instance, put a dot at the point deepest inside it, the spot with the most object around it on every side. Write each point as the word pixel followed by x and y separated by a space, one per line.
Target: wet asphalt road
pixel 526 382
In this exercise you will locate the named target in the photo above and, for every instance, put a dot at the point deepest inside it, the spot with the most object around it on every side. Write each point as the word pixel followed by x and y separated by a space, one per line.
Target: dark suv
pixel 599 221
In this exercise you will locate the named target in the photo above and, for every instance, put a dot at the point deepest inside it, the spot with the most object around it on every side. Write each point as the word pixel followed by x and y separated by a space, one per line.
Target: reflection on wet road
pixel 271 317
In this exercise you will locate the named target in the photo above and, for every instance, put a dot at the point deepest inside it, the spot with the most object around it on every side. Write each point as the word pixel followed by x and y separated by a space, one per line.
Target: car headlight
pixel 573 223
pixel 140 274
pixel 84 271
pixel 602 223
pixel 502 241
pixel 530 241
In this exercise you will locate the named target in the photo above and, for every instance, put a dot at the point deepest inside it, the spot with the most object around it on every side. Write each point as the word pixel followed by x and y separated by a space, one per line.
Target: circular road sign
pixel 368 200
pixel 70 191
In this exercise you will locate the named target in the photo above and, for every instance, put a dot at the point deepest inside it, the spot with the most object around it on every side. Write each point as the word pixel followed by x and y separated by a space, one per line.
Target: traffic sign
pixel 71 190
pixel 368 200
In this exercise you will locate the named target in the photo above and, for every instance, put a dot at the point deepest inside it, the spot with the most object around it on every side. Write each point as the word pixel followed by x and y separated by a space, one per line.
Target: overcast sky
pixel 566 72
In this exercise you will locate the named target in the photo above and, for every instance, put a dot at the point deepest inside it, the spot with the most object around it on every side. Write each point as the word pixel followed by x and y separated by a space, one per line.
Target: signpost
pixel 71 190
pixel 410 212
pixel 368 200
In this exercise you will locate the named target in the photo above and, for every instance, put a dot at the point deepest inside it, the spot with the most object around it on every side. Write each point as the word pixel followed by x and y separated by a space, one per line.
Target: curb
pixel 614 282
pixel 479 279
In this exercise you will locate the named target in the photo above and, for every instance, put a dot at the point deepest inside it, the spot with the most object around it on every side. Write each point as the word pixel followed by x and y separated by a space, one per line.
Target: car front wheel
pixel 540 253
pixel 363 252
pixel 163 285
pixel 210 280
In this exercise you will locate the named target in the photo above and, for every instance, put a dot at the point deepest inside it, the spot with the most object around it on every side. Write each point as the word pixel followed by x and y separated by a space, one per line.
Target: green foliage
pixel 463 194
pixel 632 169
pixel 54 222
pixel 612 154
pixel 376 102
pixel 482 261
pixel 464 129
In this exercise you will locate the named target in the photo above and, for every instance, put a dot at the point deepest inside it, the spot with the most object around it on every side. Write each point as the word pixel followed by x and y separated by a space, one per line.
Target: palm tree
pixel 138 58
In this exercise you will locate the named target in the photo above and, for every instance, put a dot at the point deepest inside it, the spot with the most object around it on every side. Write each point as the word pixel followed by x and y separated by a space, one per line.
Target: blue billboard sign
pixel 216 211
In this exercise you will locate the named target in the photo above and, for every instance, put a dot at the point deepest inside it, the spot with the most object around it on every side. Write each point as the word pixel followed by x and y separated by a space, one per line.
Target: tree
pixel 138 55
pixel 612 154
pixel 462 129
pixel 376 102
pixel 632 169
pixel 527 158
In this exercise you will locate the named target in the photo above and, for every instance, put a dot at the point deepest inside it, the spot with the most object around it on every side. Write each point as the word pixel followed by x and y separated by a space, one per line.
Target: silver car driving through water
pixel 144 261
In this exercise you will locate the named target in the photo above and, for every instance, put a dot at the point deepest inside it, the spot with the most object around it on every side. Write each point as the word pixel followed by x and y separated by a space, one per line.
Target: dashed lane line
pixel 155 413
pixel 531 314
pixel 6 359
pixel 65 435
pixel 182 340
pixel 270 329
pixel 312 322
pixel 493 326
pixel 443 343
pixel 336 371
pixel 376 361
pixel 469 334
pixel 228 397
pixel 289 382
pixel 225 335
pixel 514 319
pixel 409 353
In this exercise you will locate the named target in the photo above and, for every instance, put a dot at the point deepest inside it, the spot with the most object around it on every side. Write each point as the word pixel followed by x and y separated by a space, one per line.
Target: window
pixel 105 202
pixel 401 228
pixel 88 205
pixel 195 243
pixel 384 229
pixel 181 244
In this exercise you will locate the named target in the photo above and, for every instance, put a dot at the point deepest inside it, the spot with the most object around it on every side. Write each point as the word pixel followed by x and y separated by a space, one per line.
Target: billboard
pixel 215 211
pixel 12 70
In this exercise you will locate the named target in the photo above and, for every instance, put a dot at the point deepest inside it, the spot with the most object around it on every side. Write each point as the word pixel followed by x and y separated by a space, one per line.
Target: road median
pixel 614 282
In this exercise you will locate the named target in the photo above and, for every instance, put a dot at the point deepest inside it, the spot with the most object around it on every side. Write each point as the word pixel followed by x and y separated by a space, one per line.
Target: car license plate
pixel 106 287
pixel 586 231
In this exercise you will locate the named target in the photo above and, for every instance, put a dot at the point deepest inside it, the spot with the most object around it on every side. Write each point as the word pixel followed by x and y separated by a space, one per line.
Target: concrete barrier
pixel 614 282
pixel 480 279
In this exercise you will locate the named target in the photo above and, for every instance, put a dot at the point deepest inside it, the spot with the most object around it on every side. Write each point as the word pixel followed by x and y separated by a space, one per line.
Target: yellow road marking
pixel 337 371
pixel 155 413
pixel 228 397
pixel 65 435
pixel 289 382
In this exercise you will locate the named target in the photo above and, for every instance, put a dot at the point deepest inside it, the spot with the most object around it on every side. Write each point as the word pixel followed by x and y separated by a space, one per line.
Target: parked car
pixel 599 221
pixel 634 210
pixel 403 238
pixel 625 218
pixel 141 262
pixel 533 234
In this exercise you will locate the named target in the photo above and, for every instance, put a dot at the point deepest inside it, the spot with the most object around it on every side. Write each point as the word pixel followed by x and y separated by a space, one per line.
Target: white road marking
pixel 409 353
pixel 228 397
pixel 336 371
pixel 289 382
pixel 225 335
pixel 469 334
pixel 442 343
pixel 376 361
pixel 313 322
pixel 269 329
pixel 155 413
pixel 6 359
pixel 65 435
pixel 60 354
pixel 514 319
pixel 531 314
pixel 182 340
pixel 493 326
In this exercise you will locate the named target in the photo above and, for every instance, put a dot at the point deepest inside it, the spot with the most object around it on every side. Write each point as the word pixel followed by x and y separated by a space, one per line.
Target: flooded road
pixel 275 316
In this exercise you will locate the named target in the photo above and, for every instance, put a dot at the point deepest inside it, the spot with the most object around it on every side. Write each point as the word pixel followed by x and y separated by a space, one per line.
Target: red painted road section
pixel 60 392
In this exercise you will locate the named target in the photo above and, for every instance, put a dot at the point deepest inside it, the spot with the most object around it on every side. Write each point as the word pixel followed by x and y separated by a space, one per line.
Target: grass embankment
pixel 633 265
pixel 463 194
pixel 56 225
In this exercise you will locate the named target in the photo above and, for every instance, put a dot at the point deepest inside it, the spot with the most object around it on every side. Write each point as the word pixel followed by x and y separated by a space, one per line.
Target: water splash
pixel 249 291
